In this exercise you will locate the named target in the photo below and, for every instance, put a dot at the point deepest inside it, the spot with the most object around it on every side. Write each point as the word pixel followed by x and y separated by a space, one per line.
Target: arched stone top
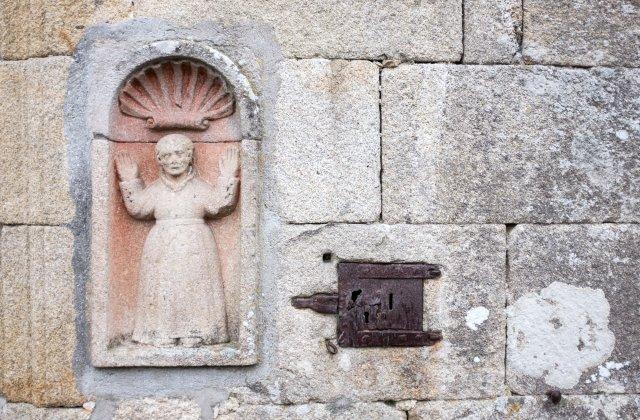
pixel 112 80
pixel 177 94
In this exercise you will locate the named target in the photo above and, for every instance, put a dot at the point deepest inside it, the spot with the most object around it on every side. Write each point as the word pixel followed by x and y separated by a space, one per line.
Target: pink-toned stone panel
pixel 206 99
pixel 127 236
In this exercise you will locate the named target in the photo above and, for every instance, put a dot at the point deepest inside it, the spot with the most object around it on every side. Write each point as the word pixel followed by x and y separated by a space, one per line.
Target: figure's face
pixel 174 159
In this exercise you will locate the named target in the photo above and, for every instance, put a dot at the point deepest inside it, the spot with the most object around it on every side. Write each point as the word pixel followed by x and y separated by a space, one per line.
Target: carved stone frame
pixel 105 81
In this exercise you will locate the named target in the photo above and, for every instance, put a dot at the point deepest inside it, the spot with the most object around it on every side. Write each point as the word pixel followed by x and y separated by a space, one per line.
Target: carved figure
pixel 180 296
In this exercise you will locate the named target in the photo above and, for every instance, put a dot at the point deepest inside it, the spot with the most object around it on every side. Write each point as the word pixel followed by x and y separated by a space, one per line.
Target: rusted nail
pixel 331 348
pixel 554 396
pixel 435 335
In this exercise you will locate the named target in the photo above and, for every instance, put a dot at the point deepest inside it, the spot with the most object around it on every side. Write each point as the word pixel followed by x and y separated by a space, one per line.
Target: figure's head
pixel 174 153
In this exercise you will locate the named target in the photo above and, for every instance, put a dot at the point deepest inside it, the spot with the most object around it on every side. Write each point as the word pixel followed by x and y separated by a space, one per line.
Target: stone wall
pixel 499 139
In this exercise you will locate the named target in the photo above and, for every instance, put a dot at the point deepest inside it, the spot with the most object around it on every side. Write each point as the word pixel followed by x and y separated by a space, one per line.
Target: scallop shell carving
pixel 177 94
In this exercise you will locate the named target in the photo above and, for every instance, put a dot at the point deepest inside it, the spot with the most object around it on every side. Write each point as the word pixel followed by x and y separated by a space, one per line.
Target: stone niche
pixel 162 292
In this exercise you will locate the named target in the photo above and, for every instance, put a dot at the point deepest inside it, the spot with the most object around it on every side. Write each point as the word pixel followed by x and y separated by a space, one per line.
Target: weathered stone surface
pixel 429 31
pixel 468 363
pixel 157 408
pixel 327 153
pixel 29 412
pixel 42 28
pixel 38 316
pixel 573 316
pixel 32 145
pixel 492 31
pixel 572 407
pixel 337 29
pixel 337 410
pixel 582 33
pixel 502 144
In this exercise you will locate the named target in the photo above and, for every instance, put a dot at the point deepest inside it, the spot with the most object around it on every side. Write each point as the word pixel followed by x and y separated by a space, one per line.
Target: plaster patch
pixel 622 134
pixel 303 410
pixel 167 47
pixel 605 371
pixel 306 366
pixel 344 362
pixel 559 333
pixel 476 316
pixel 615 366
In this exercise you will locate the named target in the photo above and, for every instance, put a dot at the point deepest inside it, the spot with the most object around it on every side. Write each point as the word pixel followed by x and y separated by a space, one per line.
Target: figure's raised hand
pixel 127 167
pixel 229 163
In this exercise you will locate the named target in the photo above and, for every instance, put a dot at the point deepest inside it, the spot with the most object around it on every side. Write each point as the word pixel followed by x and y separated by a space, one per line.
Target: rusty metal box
pixel 381 305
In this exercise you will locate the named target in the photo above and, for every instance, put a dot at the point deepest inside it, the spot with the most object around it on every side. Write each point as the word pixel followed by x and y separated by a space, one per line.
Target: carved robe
pixel 180 294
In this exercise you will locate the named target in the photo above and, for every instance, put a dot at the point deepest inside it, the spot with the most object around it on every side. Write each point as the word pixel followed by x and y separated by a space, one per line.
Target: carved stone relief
pixel 180 292
pixel 174 269
pixel 177 94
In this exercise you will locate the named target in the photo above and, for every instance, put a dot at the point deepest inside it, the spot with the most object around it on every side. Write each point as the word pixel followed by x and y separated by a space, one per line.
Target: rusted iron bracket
pixel 324 303
pixel 378 305
pixel 393 338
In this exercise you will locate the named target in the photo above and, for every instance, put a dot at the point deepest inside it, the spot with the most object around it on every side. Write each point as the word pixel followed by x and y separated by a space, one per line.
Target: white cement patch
pixel 344 362
pixel 476 316
pixel 559 333
pixel 605 371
